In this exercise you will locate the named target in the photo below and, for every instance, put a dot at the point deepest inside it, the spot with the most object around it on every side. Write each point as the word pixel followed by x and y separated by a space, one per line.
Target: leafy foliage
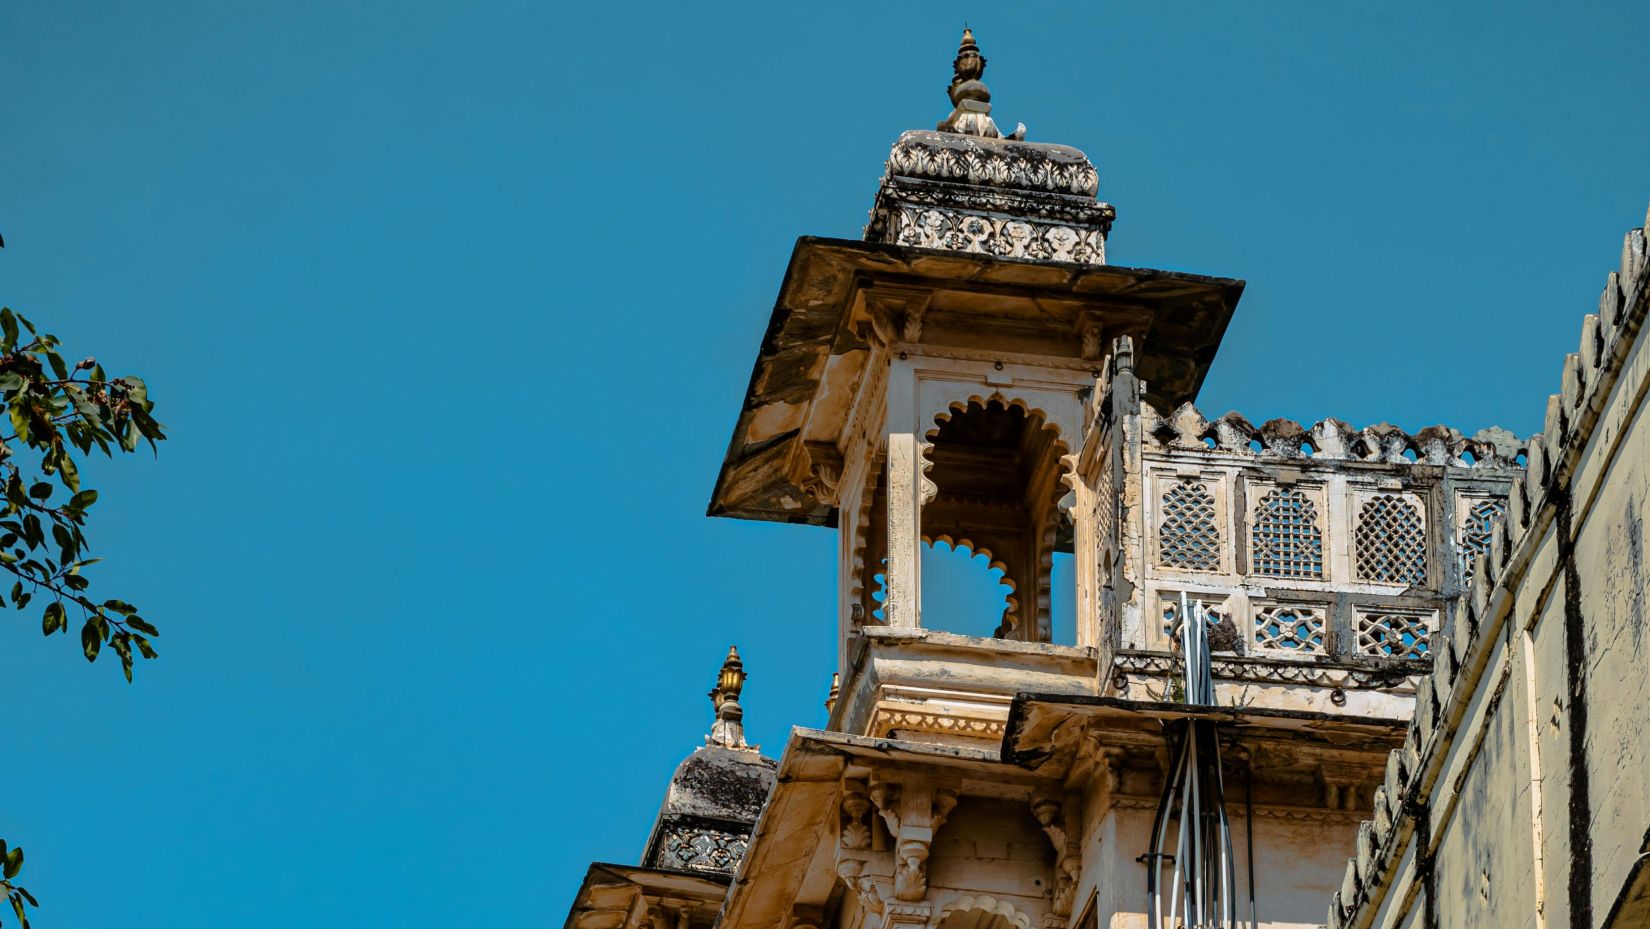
pixel 54 414
pixel 11 862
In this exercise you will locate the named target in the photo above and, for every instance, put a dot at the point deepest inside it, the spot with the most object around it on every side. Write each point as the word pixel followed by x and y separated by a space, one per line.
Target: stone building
pixel 973 373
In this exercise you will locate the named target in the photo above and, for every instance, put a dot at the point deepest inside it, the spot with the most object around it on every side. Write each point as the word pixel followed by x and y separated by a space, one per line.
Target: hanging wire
pixel 1201 893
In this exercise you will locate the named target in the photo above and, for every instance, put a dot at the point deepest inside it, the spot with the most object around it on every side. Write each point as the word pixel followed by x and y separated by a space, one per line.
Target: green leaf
pixel 41 490
pixel 83 500
pixel 53 619
pixel 90 640
pixel 123 647
pixel 8 325
pixel 17 907
pixel 68 472
pixel 20 420
pixel 14 862
pixel 141 625
pixel 135 388
pixel 144 646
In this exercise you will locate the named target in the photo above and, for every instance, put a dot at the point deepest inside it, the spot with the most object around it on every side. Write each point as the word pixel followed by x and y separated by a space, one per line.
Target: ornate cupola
pixel 716 793
pixel 966 187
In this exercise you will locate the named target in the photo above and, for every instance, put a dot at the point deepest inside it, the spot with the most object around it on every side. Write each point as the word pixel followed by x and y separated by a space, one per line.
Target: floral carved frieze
pixel 1003 237
pixel 888 720
pixel 965 160
pixel 699 848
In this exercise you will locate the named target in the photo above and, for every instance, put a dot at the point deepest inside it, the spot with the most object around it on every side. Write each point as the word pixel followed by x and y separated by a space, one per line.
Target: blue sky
pixel 449 310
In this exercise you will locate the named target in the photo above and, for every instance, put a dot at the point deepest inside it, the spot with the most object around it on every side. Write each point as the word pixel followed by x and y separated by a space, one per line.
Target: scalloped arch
pixel 986 912
pixel 1034 413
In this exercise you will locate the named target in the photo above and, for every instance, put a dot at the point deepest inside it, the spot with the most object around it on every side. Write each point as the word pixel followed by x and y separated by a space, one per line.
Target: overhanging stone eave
pixel 1188 315
pixel 603 879
pixel 805 802
pixel 1033 717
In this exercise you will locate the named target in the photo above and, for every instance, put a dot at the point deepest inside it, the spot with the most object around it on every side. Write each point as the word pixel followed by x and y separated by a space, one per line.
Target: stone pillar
pixel 908 490
pixel 1085 543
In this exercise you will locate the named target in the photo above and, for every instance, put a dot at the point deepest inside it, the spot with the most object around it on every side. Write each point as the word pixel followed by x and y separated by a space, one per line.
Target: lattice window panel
pixel 1171 612
pixel 1394 635
pixel 1475 532
pixel 1188 537
pixel 1105 514
pixel 1284 536
pixel 1291 628
pixel 1391 541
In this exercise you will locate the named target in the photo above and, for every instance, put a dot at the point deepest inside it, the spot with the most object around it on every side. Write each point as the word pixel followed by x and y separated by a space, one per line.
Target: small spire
pixel 728 730
pixel 836 690
pixel 968 66
pixel 970 98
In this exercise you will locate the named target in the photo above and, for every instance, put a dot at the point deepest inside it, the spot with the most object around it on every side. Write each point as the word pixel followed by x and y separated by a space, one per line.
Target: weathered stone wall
pixel 1522 798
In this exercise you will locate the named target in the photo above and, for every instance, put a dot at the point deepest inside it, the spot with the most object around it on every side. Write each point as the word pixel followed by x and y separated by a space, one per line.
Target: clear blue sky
pixel 449 310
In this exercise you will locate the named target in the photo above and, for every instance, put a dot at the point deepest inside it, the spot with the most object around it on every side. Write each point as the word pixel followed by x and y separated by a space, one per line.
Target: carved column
pixel 908 489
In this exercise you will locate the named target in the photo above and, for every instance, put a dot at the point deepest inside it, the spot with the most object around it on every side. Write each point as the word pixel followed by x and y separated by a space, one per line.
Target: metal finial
pixel 968 66
pixel 729 728
pixel 971 98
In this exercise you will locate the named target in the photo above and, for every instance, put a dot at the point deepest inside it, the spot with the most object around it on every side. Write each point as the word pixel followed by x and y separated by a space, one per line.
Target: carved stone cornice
pixel 889 719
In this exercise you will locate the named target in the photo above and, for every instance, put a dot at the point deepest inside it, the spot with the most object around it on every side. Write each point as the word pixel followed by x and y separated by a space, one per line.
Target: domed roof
pixel 716 793
pixel 720 782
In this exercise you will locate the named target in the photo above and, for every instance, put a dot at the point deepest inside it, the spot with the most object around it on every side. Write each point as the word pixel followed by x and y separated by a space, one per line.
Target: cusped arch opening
pixel 982 913
pixel 997 466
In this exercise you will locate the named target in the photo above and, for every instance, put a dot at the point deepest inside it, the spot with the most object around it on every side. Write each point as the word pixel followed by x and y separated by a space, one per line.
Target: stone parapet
pixel 1506 641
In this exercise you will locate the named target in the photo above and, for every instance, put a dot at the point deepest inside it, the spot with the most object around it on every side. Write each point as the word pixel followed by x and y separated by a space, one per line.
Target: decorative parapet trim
pixel 1459 662
pixel 1330 440
pixel 1390 674
pixel 983 162
pixel 888 719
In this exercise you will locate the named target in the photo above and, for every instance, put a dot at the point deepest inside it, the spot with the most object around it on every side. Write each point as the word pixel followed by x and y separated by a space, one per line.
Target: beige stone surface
pixel 1528 799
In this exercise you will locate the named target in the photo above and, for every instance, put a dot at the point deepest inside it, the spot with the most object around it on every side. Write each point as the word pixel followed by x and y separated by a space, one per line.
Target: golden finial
pixel 729 728
pixel 970 97
pixel 969 65
pixel 836 690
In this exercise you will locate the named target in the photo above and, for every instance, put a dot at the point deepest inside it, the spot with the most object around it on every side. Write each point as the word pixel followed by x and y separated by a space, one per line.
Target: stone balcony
pixel 1331 555
pixel 920 685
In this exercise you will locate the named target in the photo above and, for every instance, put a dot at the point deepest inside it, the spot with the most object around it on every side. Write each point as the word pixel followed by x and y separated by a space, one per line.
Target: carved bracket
pixel 914 811
pixel 816 468
pixel 1059 818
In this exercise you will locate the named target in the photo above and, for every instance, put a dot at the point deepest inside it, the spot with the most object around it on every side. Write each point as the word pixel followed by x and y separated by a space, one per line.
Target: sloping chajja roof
pixel 815 349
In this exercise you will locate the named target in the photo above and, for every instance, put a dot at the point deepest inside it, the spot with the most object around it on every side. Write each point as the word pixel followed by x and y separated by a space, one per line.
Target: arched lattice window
pixel 1188 537
pixel 1390 541
pixel 1284 536
pixel 1475 532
